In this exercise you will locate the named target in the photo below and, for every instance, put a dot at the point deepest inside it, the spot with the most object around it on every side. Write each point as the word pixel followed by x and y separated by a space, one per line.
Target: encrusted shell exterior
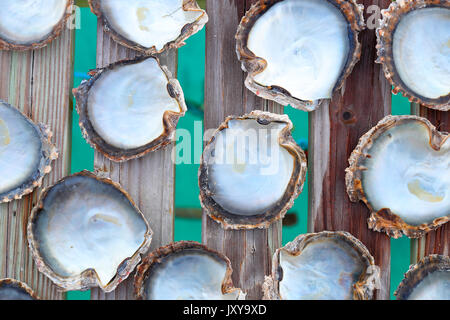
pixel 6 45
pixel 385 34
pixel 420 270
pixel 295 187
pixel 362 290
pixel 49 154
pixel 352 11
pixel 142 271
pixel 187 31
pixel 88 278
pixel 385 220
pixel 170 119
pixel 21 285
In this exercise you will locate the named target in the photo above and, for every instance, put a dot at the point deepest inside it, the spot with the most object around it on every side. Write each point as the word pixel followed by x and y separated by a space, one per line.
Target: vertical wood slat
pixel 250 251
pixel 438 241
pixel 38 83
pixel 149 180
pixel 334 132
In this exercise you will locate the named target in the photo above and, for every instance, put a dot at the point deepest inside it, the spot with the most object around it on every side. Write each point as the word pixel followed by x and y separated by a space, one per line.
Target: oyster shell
pixel 11 289
pixel 31 24
pixel 130 108
pixel 401 170
pixel 322 266
pixel 251 171
pixel 299 52
pixel 185 270
pixel 150 26
pixel 26 153
pixel 85 232
pixel 414 48
pixel 429 279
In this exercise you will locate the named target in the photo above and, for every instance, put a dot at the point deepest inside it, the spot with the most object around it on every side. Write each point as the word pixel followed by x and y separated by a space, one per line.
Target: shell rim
pixel 262 221
pixel 143 270
pixel 187 31
pixel 384 220
pixel 170 119
pixel 88 278
pixel 20 285
pixel 252 65
pixel 388 24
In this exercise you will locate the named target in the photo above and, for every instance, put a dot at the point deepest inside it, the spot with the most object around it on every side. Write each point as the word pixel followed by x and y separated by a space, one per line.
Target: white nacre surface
pixel 148 22
pixel 20 149
pixel 435 286
pixel 326 269
pixel 27 21
pixel 306 46
pixel 421 48
pixel 87 224
pixel 250 171
pixel 188 275
pixel 126 104
pixel 406 175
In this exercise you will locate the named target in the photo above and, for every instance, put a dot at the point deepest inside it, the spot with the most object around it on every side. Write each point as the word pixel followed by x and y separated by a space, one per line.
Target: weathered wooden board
pixel 39 84
pixel 149 180
pixel 334 132
pixel 250 251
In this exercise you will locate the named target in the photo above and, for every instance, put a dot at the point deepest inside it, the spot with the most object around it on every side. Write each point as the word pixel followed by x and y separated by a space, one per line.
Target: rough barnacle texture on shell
pixel 11 289
pixel 26 153
pixel 429 279
pixel 150 26
pixel 31 24
pixel 414 48
pixel 86 232
pixel 185 270
pixel 401 170
pixel 251 171
pixel 130 108
pixel 299 52
pixel 322 266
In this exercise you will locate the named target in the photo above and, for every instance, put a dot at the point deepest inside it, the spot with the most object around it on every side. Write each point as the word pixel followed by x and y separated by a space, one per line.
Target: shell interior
pixel 87 224
pixel 190 274
pixel 306 46
pixel 149 22
pixel 325 269
pixel 11 291
pixel 421 51
pixel 29 21
pixel 249 170
pixel 20 149
pixel 126 104
pixel 435 286
pixel 405 174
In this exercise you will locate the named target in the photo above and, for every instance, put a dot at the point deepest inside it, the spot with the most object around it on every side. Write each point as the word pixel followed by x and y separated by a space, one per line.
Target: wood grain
pixel 250 251
pixel 149 180
pixel 438 241
pixel 334 132
pixel 38 83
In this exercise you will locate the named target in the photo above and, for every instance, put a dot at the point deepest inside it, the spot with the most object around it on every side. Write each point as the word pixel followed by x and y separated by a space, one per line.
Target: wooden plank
pixel 250 251
pixel 438 241
pixel 149 180
pixel 38 83
pixel 334 132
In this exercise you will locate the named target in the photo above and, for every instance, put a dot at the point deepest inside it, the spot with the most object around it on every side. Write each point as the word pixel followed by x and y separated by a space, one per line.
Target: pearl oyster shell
pixel 251 171
pixel 306 64
pixel 185 270
pixel 401 170
pixel 130 108
pixel 11 289
pixel 86 231
pixel 150 26
pixel 414 49
pixel 322 266
pixel 429 279
pixel 26 153
pixel 31 24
